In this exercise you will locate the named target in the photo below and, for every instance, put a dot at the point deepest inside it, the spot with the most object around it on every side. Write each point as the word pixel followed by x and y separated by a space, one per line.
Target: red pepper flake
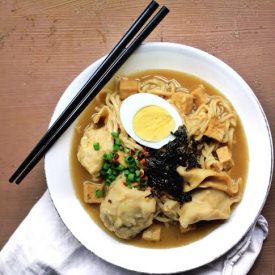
pixel 142 161
pixel 116 156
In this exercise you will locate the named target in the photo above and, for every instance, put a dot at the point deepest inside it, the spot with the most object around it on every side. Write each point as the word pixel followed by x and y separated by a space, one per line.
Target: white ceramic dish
pixel 226 80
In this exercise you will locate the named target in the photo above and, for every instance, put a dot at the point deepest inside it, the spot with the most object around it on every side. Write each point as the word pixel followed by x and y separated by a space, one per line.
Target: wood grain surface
pixel 45 44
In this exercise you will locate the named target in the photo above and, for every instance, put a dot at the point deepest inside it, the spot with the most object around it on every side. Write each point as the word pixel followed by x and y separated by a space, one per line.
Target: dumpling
pixel 90 158
pixel 206 205
pixel 205 178
pixel 127 211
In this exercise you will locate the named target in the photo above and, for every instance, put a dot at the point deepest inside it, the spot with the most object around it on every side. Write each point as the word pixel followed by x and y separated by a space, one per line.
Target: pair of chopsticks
pixel 119 54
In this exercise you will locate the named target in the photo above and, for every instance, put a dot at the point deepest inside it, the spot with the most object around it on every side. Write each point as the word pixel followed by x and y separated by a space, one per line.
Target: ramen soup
pixel 159 158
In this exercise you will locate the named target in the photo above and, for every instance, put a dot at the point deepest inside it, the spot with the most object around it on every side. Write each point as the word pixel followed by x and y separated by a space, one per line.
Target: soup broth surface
pixel 170 236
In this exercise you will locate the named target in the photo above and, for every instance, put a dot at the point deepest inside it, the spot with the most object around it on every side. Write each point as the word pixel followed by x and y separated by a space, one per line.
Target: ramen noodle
pixel 167 196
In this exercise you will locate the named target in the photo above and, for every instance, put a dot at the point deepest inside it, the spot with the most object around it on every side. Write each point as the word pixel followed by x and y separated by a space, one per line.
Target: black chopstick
pixel 137 25
pixel 93 92
pixel 96 88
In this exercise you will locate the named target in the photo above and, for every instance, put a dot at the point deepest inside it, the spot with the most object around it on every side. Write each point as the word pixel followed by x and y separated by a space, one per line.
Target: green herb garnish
pixel 112 167
pixel 96 146
pixel 99 193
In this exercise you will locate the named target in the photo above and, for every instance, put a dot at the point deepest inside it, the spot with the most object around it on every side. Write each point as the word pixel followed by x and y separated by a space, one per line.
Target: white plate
pixel 226 80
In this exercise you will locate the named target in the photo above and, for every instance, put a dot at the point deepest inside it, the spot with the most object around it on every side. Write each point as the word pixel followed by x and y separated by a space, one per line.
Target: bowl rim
pixel 180 47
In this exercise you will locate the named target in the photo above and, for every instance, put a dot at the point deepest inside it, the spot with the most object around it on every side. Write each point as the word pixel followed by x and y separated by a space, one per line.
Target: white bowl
pixel 226 80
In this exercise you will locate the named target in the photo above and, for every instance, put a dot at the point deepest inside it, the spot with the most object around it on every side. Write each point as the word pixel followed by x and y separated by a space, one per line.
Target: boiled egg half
pixel 149 119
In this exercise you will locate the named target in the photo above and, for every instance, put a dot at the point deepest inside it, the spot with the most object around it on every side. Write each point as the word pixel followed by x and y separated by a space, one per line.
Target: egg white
pixel 132 104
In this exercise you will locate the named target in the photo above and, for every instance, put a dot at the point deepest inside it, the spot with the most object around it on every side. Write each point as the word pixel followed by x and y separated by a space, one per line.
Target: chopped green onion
pixel 129 183
pixel 120 167
pixel 108 156
pixel 106 166
pixel 131 177
pixel 117 141
pixel 112 167
pixel 126 172
pixel 96 146
pixel 131 165
pixel 115 134
pixel 99 193
pixel 128 158
pixel 116 148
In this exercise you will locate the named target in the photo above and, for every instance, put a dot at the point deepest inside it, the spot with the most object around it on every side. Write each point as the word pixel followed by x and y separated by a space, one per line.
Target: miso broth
pixel 171 235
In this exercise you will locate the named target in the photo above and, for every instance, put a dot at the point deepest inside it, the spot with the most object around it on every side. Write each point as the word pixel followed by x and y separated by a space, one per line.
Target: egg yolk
pixel 153 123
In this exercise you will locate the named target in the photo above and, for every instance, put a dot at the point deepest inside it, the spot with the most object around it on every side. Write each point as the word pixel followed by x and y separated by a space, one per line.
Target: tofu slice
pixel 225 156
pixel 183 101
pixel 200 95
pixel 215 129
pixel 89 192
pixel 152 233
pixel 127 87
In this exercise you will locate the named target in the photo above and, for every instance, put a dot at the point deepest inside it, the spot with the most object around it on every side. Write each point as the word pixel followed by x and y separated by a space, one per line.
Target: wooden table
pixel 45 44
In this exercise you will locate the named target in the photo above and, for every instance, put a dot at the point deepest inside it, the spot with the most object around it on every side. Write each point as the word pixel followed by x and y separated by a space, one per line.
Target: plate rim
pixel 227 67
